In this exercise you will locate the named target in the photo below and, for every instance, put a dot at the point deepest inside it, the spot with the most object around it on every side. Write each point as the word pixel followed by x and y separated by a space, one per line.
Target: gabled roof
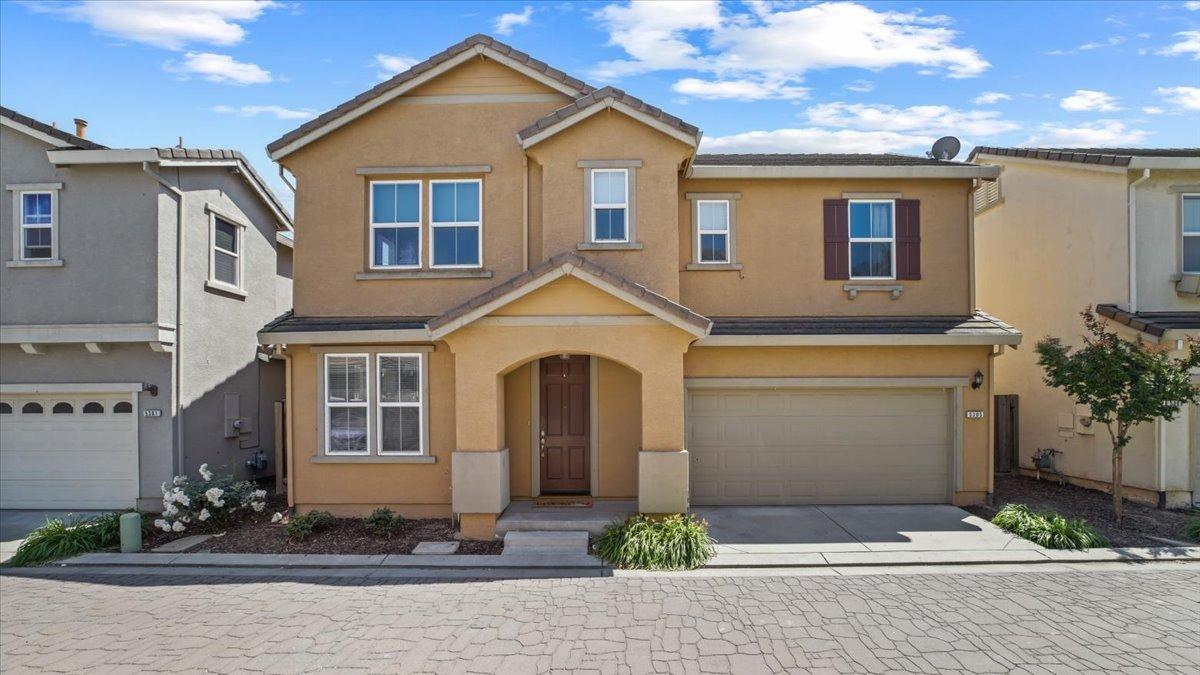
pixel 569 264
pixel 1152 323
pixel 419 74
pixel 608 97
pixel 1120 157
pixel 41 130
pixel 200 156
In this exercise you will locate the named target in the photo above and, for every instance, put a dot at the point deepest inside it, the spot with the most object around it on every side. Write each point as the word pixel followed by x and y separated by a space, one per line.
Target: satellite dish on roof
pixel 945 148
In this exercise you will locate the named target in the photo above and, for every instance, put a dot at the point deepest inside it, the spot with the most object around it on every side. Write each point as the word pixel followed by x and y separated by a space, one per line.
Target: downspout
pixel 1133 299
pixel 996 350
pixel 524 213
pixel 176 355
pixel 290 484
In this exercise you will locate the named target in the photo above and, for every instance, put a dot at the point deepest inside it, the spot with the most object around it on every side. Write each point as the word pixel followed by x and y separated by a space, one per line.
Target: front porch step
pixel 523 516
pixel 545 543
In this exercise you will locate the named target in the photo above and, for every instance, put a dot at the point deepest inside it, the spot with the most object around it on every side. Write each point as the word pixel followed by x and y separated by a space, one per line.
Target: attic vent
pixel 987 195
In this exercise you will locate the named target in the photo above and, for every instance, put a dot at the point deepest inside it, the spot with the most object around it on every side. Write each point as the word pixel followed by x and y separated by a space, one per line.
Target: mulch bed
pixel 346 536
pixel 1139 524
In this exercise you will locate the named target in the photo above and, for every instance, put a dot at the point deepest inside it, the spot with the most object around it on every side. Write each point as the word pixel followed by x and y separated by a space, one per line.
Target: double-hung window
pixel 1190 220
pixel 225 263
pixel 456 222
pixel 872 239
pixel 610 205
pixel 37 225
pixel 712 235
pixel 347 401
pixel 396 224
pixel 399 406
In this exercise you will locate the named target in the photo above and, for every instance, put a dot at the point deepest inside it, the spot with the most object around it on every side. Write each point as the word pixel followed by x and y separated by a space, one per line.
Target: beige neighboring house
pixel 1114 228
pixel 511 284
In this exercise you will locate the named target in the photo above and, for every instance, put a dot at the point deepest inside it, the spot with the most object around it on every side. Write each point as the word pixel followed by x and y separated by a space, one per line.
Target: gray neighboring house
pixel 133 284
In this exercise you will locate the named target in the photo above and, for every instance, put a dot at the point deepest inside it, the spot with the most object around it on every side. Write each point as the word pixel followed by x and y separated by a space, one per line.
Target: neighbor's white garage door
pixel 68 451
pixel 819 446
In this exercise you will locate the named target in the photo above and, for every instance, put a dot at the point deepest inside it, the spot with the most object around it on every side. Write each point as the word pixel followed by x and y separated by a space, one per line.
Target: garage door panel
pixel 819 446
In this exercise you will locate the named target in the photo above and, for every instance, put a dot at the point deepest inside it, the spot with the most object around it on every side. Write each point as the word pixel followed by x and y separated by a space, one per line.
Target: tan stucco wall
pixel 1158 241
pixel 780 243
pixel 612 135
pixel 480 76
pixel 568 296
pixel 1057 244
pixel 960 362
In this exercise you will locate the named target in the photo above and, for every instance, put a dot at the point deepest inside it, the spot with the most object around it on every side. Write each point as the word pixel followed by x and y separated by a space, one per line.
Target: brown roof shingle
pixel 818 159
pixel 1101 156
pixel 81 143
pixel 976 324
pixel 1152 323
pixel 598 96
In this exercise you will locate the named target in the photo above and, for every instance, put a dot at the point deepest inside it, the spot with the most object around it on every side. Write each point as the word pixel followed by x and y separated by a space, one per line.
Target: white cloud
pixel 1097 134
pixel 279 112
pixel 1089 46
pixel 861 86
pixel 811 139
pixel 926 120
pixel 391 64
pixel 220 68
pixel 506 22
pixel 774 45
pixel 1152 110
pixel 742 90
pixel 170 25
pixel 1087 99
pixel 1188 43
pixel 991 97
pixel 1192 5
pixel 1187 98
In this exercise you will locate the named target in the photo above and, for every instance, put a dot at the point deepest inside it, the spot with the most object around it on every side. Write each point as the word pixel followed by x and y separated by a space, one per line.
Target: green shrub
pixel 382 522
pixel 1191 529
pixel 63 539
pixel 301 527
pixel 671 543
pixel 1048 529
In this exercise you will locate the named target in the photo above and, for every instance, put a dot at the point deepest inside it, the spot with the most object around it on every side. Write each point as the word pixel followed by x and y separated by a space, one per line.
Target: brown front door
pixel 566 427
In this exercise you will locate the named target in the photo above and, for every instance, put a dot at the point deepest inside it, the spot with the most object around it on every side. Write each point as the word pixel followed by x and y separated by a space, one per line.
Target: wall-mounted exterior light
pixel 977 380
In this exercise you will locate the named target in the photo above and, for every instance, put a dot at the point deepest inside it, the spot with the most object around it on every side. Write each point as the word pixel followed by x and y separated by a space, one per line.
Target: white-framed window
pixel 872 239
pixel 1189 216
pixel 37 225
pixel 712 231
pixel 610 205
pixel 347 404
pixel 225 261
pixel 456 222
pixel 401 420
pixel 395 224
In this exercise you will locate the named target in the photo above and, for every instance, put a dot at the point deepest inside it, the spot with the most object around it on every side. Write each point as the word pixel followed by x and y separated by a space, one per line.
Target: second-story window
pixel 610 205
pixel 226 261
pixel 396 224
pixel 872 239
pixel 712 218
pixel 37 225
pixel 1190 217
pixel 456 221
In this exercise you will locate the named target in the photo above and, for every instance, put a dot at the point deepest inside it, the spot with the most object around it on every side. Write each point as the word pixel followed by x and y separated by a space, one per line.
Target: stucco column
pixel 479 480
pixel 663 461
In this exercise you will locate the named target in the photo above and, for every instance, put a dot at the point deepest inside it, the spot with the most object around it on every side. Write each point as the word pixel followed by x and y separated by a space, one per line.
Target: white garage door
pixel 68 451
pixel 805 446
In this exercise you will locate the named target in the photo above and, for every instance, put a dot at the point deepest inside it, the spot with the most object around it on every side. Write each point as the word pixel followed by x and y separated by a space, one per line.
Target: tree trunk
pixel 1118 461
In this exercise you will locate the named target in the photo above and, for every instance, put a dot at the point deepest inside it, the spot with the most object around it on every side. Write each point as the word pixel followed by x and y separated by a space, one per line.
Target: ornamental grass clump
pixel 212 501
pixel 63 539
pixel 675 542
pixel 1048 529
pixel 1191 529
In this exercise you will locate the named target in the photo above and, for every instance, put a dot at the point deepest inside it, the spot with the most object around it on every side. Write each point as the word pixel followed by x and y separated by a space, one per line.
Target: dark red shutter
pixel 837 239
pixel 908 239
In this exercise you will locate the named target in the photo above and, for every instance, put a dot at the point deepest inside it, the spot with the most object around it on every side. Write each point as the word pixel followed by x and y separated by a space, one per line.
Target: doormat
pixel 562 502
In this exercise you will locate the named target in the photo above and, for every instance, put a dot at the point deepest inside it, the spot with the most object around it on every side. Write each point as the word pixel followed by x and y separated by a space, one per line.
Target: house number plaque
pixel 152 412
pixel 974 414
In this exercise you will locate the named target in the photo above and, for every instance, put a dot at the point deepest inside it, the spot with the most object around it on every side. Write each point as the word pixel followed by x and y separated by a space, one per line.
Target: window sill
pixel 852 290
pixel 373 459
pixel 424 274
pixel 34 263
pixel 713 267
pixel 225 289
pixel 610 246
pixel 1187 284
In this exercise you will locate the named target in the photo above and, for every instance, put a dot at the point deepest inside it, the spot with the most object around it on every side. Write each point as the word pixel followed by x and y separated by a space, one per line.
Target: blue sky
pixel 756 76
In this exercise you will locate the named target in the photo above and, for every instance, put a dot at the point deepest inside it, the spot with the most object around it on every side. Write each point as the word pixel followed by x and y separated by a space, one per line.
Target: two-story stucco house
pixel 1117 229
pixel 511 284
pixel 132 286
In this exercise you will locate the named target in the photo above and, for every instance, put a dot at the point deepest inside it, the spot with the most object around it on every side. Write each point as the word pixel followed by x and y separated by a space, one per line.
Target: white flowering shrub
pixel 212 501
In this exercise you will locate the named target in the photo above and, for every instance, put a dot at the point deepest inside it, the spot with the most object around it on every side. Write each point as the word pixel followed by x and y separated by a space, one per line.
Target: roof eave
pixel 986 172
pixel 692 140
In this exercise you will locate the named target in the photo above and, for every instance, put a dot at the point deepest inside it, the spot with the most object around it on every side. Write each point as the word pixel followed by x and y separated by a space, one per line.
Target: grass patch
pixel 1191 529
pixel 63 539
pixel 1048 529
pixel 673 543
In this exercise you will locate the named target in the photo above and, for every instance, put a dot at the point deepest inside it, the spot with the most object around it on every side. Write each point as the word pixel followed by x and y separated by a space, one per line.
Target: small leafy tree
pixel 1123 382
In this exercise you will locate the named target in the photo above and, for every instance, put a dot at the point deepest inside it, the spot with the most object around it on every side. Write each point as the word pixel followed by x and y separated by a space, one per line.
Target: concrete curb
pixel 316 561
pixel 952 557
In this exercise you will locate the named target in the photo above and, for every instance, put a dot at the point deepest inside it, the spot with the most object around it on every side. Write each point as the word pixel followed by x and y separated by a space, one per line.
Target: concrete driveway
pixel 793 533
pixel 15 524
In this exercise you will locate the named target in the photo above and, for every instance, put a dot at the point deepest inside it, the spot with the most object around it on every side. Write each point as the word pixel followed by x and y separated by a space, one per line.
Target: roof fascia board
pixel 133 156
pixel 477 50
pixel 344 337
pixel 282 220
pixel 283 240
pixel 667 129
pixel 641 304
pixel 986 172
pixel 854 340
pixel 1138 162
pixel 34 133
pixel 1008 159
pixel 599 106
pixel 489 307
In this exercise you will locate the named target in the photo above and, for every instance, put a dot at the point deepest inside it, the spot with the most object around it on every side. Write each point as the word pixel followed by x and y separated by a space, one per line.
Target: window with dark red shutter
pixel 908 239
pixel 837 239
